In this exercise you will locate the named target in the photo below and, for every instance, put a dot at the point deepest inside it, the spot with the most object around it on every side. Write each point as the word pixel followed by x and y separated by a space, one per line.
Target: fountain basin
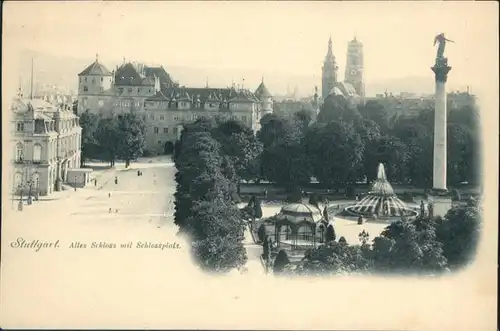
pixel 381 202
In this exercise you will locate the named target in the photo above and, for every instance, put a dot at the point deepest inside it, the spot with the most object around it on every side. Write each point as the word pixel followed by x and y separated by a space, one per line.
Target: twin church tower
pixel 353 84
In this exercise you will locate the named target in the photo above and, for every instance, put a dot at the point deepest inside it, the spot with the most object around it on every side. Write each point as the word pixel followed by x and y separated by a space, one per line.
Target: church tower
pixel 329 73
pixel 354 68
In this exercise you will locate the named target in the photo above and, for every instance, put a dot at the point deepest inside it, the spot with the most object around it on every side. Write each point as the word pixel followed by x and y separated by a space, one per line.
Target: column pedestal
pixel 440 202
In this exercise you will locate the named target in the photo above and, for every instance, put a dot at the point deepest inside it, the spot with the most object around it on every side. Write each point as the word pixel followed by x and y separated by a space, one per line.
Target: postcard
pixel 249 165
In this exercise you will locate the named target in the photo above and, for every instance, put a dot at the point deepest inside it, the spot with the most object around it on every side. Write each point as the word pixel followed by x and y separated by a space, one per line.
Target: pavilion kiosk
pixel 299 226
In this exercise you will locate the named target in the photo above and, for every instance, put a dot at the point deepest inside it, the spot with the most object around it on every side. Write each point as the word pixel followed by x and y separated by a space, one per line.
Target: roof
pixel 300 212
pixel 244 96
pixel 128 75
pixel 165 79
pixel 262 91
pixel 95 69
pixel 345 89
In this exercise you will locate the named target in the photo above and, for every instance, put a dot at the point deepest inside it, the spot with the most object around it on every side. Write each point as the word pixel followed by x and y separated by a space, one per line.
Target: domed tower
pixel 265 97
pixel 93 83
pixel 329 71
pixel 354 68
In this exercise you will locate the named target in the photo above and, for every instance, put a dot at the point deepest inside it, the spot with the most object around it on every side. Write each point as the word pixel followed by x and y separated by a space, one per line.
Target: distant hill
pixel 63 71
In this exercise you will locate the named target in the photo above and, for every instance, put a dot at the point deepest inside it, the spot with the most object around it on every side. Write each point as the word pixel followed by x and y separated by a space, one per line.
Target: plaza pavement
pixel 142 209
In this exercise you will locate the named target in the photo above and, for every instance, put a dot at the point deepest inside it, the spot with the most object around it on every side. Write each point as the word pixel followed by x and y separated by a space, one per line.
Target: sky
pixel 265 37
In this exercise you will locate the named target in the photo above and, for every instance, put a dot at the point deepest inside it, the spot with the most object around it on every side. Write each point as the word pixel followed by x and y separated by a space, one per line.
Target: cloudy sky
pixel 268 37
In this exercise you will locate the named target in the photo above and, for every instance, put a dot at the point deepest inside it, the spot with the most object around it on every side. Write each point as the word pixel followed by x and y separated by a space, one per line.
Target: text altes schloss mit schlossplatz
pixel 37 244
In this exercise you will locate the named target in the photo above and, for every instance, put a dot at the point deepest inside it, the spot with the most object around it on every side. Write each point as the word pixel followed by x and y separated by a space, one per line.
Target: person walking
pixel 116 180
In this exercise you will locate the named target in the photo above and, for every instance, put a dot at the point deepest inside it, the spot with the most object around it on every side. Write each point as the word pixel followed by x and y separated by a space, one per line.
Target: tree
pixel 108 137
pixel 402 247
pixel 204 209
pixel 217 233
pixel 330 233
pixel 198 171
pixel 335 258
pixel 334 151
pixel 276 130
pixel 337 109
pixel 131 133
pixel 287 165
pixel 303 117
pixel 390 151
pixel 257 208
pixel 375 111
pixel 281 262
pixel 241 146
pixel 459 232
pixel 89 123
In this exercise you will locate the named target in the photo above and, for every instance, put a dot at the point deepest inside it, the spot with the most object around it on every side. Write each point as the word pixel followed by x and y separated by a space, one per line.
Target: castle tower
pixel 354 68
pixel 265 97
pixel 329 71
pixel 92 84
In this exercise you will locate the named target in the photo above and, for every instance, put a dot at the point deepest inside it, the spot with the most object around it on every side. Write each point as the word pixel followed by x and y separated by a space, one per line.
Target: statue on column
pixel 441 40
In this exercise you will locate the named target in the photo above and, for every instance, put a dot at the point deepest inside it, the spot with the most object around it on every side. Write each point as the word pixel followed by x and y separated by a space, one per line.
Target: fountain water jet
pixel 381 201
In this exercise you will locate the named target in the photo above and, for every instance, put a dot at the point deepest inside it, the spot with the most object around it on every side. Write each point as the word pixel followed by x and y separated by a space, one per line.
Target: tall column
pixel 439 197
pixel 440 123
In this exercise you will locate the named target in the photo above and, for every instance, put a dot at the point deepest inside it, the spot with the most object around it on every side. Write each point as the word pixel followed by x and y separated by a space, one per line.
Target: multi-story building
pixel 46 141
pixel 164 105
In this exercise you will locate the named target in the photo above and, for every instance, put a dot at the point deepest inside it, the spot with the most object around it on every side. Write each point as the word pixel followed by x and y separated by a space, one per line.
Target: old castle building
pixel 164 105
pixel 46 143
pixel 353 85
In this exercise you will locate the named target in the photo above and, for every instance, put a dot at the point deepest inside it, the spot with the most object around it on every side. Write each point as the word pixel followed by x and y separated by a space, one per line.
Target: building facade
pixel 46 142
pixel 164 105
pixel 352 87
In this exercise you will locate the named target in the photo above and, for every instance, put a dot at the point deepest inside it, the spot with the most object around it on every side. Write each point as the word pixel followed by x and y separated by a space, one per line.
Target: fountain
pixel 381 201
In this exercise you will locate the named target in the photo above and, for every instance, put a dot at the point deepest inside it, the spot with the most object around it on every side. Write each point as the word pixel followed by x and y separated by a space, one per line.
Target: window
pixel 85 79
pixel 165 130
pixel 162 117
pixel 102 79
pixel 144 117
pixel 244 118
pixel 85 89
pixel 19 152
pixel 120 90
pixel 18 179
pixel 139 90
pixel 36 180
pixel 159 142
pixel 129 90
pixel 156 130
pixel 152 117
pixel 37 153
pixel 175 130
pixel 93 80
pixel 39 126
pixel 176 118
pixel 149 90
pixel 20 126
